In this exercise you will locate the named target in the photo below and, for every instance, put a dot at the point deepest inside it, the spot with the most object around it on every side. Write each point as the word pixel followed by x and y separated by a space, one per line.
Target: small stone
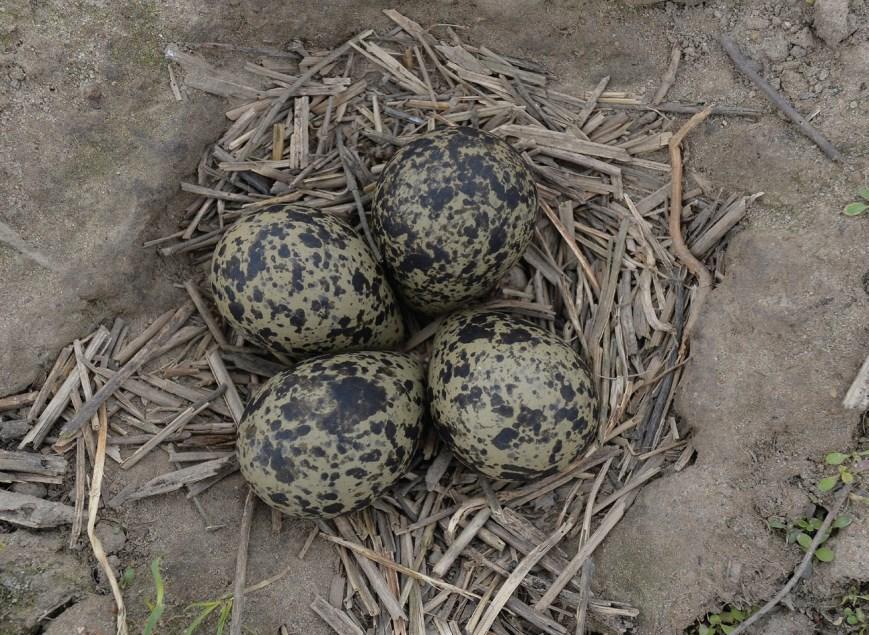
pixel 775 83
pixel 776 21
pixel 831 21
pixel 853 105
pixel 32 489
pixel 803 38
pixel 775 47
pixel 798 52
pixel 111 535
pixel 793 83
pixel 823 74
pixel 817 88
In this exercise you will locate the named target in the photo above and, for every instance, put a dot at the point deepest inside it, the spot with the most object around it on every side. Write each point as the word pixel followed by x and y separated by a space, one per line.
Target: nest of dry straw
pixel 620 261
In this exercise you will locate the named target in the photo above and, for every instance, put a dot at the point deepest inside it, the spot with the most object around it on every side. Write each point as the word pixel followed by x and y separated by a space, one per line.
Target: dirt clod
pixel 36 577
pixel 111 535
pixel 832 21
pixel 775 46
pixel 92 615
pixel 783 622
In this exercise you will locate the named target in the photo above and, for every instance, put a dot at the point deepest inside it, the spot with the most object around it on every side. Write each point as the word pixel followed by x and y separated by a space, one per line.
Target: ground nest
pixel 623 254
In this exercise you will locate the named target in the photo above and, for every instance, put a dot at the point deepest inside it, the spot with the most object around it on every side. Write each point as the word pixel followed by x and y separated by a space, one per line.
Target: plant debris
pixel 444 550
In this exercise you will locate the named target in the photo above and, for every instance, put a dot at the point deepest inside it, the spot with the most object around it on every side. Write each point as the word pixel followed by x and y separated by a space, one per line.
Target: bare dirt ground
pixel 93 145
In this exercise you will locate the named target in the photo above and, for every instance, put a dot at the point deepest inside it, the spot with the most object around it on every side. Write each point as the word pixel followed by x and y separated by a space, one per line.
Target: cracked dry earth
pixel 93 145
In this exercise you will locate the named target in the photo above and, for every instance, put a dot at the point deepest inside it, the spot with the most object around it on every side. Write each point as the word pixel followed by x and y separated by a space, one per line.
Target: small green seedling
pixel 849 467
pixel 157 606
pixel 860 206
pixel 720 623
pixel 802 532
pixel 127 577
pixel 853 616
pixel 208 607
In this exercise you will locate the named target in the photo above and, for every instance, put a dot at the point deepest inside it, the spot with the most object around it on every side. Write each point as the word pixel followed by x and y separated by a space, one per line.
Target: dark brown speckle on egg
pixel 301 282
pixel 454 210
pixel 511 400
pixel 330 435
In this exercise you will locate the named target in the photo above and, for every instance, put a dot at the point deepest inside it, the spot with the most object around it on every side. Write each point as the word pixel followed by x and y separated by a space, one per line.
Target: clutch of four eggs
pixel 453 213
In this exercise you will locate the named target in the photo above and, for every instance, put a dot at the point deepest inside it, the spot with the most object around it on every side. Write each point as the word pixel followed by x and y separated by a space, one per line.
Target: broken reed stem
pixel 205 313
pixel 364 558
pixel 462 540
pixel 266 122
pixel 93 506
pixel 80 485
pixel 89 408
pixel 176 425
pixel 820 536
pixel 704 278
pixel 519 573
pixel 357 196
pixel 391 564
pixel 574 248
pixel 613 516
pixel 584 596
pixel 224 379
pixel 241 563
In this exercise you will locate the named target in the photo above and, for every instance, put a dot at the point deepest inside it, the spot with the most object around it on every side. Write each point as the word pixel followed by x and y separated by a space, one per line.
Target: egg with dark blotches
pixel 300 282
pixel 333 433
pixel 510 399
pixel 454 210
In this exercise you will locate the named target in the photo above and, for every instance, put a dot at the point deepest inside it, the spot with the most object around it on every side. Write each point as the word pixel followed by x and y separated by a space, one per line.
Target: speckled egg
pixel 301 282
pixel 330 435
pixel 511 400
pixel 453 211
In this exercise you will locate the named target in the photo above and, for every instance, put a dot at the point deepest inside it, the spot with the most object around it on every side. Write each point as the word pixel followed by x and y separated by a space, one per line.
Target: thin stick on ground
pixel 780 102
pixel 80 484
pixel 241 564
pixel 704 278
pixel 584 596
pixel 93 506
pixel 801 570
